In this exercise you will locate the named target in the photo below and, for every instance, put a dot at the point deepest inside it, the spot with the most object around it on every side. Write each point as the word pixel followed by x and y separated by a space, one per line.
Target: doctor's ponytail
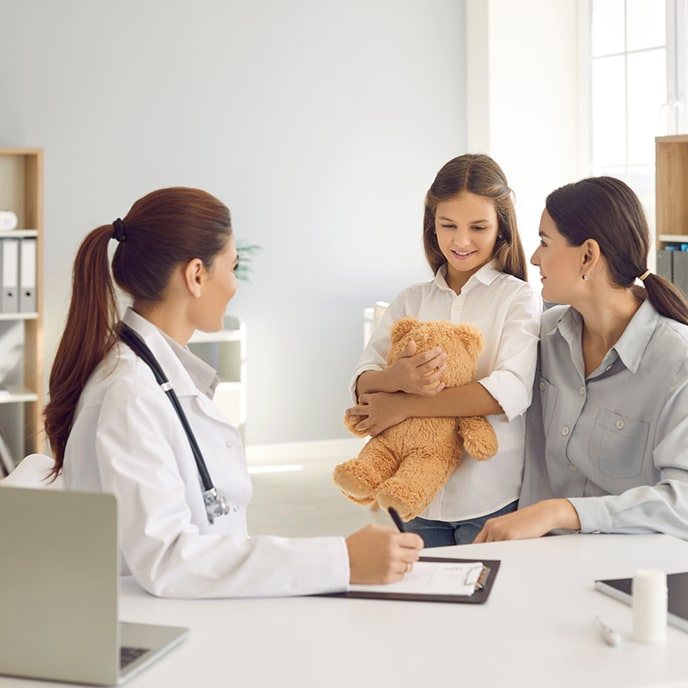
pixel 162 230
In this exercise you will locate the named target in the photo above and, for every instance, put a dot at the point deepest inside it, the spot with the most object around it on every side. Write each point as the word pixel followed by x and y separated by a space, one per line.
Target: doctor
pixel 112 428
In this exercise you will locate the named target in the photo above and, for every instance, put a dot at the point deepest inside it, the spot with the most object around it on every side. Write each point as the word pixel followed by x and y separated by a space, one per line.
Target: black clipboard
pixel 482 591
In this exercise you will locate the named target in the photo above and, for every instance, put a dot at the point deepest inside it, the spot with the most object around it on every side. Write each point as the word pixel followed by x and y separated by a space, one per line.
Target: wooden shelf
pixel 21 333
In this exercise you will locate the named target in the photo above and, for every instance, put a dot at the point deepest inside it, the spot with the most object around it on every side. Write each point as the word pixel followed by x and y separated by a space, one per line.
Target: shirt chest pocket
pixel 548 400
pixel 617 444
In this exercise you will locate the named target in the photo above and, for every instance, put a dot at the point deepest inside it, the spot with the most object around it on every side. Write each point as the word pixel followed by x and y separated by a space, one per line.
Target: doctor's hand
pixel 381 554
pixel 531 521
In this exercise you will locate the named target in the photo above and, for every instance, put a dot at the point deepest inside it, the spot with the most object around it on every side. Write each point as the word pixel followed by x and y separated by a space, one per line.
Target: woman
pixel 607 434
pixel 111 427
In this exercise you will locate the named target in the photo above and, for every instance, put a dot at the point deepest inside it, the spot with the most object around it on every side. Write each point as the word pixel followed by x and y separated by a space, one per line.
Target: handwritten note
pixel 433 578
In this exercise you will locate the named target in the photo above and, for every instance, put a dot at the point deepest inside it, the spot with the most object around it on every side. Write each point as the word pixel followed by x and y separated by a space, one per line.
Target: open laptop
pixel 59 586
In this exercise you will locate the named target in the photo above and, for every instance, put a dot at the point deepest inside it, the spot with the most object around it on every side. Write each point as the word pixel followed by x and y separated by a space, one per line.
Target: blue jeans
pixel 443 533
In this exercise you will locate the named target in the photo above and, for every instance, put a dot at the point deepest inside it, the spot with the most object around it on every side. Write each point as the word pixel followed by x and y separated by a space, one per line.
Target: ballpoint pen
pixel 397 519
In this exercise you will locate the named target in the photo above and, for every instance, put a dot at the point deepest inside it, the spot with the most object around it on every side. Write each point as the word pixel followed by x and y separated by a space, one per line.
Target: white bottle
pixel 649 606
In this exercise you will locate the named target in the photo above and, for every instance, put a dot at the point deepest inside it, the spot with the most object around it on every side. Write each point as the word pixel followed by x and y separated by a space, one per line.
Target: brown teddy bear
pixel 405 466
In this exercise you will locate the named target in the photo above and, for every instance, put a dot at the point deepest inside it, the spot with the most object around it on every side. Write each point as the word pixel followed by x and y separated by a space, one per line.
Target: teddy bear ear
pixel 402 326
pixel 471 337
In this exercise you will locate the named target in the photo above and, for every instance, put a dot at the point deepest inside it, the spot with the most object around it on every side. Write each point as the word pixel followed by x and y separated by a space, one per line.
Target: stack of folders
pixel 18 274
pixel 672 264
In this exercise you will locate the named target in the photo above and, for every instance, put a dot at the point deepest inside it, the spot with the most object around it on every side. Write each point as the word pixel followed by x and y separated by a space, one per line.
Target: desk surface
pixel 537 629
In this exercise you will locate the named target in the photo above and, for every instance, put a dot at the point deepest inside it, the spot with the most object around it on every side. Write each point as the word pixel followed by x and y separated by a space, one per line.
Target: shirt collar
pixel 637 335
pixel 487 274
pixel 203 376
pixel 631 344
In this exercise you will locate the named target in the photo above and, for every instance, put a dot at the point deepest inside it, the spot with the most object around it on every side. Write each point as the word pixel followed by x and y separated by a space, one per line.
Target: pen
pixel 397 519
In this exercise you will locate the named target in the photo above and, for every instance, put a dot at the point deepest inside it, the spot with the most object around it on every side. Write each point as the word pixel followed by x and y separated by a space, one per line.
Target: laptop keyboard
pixel 128 654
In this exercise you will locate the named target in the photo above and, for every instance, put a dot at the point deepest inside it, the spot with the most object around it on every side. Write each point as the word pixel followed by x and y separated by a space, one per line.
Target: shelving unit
pixel 21 333
pixel 226 352
pixel 671 182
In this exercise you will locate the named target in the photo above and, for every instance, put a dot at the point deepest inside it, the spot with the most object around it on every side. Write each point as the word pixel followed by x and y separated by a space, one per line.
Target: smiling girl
pixel 472 244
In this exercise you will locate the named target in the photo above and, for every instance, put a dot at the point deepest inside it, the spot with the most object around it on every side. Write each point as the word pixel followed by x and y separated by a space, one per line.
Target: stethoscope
pixel 215 503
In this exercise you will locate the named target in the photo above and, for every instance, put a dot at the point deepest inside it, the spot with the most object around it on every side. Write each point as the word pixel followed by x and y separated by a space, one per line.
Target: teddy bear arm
pixel 479 437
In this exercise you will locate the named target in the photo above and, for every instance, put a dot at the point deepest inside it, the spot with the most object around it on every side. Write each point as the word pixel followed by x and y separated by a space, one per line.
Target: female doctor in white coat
pixel 112 427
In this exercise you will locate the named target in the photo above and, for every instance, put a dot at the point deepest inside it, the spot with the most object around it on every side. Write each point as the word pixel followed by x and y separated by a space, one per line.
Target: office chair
pixel 32 471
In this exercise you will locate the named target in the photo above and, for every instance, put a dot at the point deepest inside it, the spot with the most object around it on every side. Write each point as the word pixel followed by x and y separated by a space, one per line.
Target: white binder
pixel 9 297
pixel 27 276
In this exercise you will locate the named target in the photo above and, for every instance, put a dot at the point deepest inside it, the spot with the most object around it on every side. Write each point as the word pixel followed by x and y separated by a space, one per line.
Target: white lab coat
pixel 127 440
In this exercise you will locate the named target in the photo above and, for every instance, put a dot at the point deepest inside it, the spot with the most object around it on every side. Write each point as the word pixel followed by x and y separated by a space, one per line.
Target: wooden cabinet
pixel 671 192
pixel 226 352
pixel 21 322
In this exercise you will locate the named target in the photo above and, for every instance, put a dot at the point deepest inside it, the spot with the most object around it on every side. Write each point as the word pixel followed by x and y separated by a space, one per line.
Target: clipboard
pixel 482 589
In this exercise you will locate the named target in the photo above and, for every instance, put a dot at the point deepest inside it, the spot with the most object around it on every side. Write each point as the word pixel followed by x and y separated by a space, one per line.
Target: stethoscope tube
pixel 215 504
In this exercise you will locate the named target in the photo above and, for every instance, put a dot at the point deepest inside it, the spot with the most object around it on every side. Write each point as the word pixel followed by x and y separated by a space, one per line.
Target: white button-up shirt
pixel 507 311
pixel 615 442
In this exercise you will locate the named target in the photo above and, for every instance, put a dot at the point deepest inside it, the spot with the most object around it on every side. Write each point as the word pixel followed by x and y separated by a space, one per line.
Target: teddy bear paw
pixel 352 486
pixel 387 500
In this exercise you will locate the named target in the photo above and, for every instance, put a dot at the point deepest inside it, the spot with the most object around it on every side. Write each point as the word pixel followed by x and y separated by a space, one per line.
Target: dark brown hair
pixel 607 210
pixel 480 175
pixel 164 229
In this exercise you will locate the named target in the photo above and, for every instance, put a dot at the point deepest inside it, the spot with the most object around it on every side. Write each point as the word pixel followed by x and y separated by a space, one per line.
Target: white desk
pixel 536 629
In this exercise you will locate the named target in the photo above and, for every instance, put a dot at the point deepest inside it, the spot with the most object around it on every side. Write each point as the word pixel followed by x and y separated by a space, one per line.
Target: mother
pixel 607 432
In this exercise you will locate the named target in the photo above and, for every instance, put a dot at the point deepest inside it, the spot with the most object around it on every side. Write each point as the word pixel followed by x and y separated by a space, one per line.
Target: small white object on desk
pixel 609 635
pixel 650 598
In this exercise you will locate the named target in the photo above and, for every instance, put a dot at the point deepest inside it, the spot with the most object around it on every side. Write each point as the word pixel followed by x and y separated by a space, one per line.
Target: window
pixel 637 87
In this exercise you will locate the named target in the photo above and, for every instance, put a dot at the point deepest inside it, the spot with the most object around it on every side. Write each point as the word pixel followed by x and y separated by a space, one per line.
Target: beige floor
pixel 304 502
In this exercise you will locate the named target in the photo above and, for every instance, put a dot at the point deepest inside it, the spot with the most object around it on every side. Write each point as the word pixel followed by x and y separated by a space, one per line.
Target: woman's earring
pixel 584 277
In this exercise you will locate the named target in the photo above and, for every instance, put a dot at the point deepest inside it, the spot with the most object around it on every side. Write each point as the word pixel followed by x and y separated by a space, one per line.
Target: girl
pixel 607 435
pixel 472 245
pixel 111 427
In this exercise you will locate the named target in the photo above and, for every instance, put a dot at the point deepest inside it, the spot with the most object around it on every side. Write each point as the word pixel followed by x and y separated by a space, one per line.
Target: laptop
pixel 59 587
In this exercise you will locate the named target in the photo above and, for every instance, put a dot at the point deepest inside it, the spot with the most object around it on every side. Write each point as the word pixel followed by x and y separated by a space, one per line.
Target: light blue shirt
pixel 615 442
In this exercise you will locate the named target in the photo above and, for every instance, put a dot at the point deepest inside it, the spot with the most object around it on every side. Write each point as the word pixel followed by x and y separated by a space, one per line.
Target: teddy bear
pixel 404 466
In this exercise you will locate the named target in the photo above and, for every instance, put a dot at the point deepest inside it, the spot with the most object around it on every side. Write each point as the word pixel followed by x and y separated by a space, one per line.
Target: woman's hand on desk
pixel 381 554
pixel 531 521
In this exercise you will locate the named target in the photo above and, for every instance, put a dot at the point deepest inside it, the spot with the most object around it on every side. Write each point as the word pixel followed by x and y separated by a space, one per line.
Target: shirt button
pixel 235 508
pixel 581 391
pixel 619 425
pixel 228 444
pixel 572 467
pixel 565 431
pixel 542 386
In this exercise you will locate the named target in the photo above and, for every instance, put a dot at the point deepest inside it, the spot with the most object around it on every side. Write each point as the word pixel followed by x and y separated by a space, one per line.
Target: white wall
pixel 320 123
pixel 526 98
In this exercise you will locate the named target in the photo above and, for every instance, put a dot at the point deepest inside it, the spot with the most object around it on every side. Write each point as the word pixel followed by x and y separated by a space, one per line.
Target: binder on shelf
pixel 664 264
pixel 7 462
pixel 680 270
pixel 9 297
pixel 27 275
